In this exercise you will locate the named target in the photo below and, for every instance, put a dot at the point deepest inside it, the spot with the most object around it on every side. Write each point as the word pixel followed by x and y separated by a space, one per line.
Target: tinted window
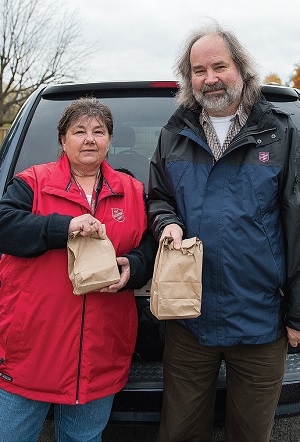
pixel 137 124
pixel 138 120
pixel 287 102
pixel 291 108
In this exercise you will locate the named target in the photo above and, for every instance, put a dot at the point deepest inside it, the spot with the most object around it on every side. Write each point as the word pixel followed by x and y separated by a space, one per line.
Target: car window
pixel 138 119
pixel 291 108
pixel 137 124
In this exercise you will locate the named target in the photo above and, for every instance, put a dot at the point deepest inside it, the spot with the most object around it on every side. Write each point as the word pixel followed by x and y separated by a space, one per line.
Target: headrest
pixel 123 136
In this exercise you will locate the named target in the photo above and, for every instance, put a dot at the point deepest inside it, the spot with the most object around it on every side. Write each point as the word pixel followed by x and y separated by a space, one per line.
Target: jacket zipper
pixel 80 350
pixel 247 134
pixel 296 183
pixel 239 138
pixel 237 141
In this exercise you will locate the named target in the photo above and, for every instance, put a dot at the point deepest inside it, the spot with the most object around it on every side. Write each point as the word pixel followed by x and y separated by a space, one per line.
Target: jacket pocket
pixel 14 325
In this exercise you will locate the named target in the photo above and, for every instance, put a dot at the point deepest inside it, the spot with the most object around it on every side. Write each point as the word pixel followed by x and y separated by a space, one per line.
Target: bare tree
pixel 39 43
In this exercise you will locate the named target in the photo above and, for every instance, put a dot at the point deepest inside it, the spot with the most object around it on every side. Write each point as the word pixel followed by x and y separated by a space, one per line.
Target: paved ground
pixel 285 430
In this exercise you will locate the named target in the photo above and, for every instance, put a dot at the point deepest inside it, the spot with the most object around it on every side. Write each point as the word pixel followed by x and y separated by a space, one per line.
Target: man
pixel 226 170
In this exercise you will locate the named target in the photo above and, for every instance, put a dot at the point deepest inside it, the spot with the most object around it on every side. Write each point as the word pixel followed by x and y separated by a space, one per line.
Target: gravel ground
pixel 284 430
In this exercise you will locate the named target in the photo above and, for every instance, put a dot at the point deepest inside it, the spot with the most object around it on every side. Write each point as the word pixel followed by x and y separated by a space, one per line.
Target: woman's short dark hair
pixel 88 107
pixel 240 56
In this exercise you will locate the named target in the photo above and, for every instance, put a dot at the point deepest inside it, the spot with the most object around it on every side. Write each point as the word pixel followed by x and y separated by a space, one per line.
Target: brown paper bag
pixel 91 262
pixel 176 287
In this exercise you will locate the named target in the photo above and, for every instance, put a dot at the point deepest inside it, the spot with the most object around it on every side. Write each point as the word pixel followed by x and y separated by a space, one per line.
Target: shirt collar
pixel 241 115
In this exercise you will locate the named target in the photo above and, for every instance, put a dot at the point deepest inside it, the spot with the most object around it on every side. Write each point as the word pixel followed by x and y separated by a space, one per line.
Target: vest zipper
pixel 80 350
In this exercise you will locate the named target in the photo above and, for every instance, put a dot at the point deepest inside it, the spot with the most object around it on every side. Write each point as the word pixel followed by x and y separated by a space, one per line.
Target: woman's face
pixel 86 143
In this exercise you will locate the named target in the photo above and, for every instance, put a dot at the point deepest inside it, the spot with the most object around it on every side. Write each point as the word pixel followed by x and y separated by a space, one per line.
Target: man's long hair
pixel 240 56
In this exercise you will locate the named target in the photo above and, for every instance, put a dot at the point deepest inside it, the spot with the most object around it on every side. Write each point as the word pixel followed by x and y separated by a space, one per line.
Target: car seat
pixel 122 153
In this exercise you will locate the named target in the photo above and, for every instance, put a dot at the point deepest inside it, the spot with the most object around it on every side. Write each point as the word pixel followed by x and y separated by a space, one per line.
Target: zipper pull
pixel 296 182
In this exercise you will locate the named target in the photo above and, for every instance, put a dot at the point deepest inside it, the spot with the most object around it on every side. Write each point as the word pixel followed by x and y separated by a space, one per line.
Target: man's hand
pixel 293 336
pixel 175 231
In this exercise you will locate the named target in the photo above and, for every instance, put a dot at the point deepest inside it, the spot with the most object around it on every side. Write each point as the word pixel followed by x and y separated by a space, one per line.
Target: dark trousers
pixel 254 376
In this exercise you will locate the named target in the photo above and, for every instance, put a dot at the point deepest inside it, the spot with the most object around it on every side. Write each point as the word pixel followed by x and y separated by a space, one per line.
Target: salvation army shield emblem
pixel 264 156
pixel 118 215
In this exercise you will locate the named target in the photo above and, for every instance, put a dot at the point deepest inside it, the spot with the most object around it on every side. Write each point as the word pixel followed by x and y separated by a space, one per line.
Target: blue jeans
pixel 21 419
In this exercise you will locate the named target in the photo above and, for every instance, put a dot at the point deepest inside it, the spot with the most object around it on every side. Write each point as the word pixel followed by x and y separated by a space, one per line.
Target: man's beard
pixel 218 102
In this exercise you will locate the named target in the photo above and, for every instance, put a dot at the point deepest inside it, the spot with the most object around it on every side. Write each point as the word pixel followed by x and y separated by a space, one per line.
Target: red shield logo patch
pixel 264 156
pixel 118 215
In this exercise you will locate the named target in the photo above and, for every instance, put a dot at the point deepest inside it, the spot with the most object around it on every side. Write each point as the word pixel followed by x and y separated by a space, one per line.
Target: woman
pixel 55 347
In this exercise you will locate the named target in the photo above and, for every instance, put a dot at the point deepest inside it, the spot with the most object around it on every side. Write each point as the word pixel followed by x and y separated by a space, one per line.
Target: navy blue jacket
pixel 246 210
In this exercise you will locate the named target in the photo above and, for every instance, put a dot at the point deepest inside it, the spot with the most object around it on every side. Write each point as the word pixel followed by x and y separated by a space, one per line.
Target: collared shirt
pixel 238 120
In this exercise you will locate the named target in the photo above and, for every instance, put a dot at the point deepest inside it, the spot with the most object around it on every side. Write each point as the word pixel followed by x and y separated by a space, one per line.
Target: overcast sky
pixel 140 39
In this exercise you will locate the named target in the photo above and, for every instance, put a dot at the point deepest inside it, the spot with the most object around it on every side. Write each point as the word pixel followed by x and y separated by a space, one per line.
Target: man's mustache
pixel 214 87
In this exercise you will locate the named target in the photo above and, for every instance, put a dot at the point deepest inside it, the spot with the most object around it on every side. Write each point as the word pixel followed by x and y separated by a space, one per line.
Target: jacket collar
pixel 60 178
pixel 184 118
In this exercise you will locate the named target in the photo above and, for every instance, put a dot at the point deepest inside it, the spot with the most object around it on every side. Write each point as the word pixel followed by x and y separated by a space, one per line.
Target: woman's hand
pixel 86 224
pixel 122 262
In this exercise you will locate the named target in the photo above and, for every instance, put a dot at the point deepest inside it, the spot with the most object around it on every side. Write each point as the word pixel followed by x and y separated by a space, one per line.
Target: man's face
pixel 216 81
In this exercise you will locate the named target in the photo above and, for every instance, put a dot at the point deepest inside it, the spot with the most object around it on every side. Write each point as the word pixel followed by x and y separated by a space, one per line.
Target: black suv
pixel 140 109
